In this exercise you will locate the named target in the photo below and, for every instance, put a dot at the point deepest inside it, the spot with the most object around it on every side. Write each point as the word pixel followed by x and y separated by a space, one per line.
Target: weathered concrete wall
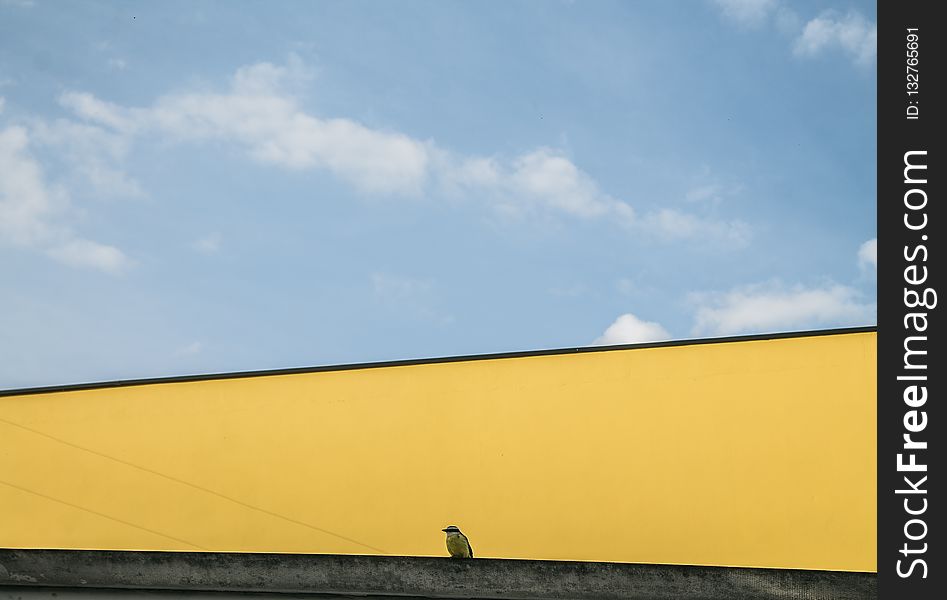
pixel 38 570
pixel 53 593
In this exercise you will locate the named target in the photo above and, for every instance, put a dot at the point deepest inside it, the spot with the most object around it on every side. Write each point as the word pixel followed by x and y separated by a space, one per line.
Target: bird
pixel 457 543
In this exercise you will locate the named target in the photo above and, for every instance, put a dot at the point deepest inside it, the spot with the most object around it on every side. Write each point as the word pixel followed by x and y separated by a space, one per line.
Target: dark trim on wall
pixel 428 361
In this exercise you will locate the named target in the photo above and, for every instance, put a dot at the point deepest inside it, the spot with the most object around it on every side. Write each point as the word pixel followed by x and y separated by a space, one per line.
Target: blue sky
pixel 192 187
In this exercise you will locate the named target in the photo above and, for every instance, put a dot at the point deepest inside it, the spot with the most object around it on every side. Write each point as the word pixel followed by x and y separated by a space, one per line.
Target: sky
pixel 203 187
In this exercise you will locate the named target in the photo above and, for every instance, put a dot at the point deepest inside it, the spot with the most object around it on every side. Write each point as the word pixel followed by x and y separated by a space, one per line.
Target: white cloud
pixel 93 153
pixel 117 64
pixel 473 172
pixel 265 77
pixel 107 181
pixel 868 256
pixel 90 108
pixel 30 210
pixel 78 252
pixel 852 33
pixel 675 224
pixel 711 192
pixel 260 114
pixel 549 178
pixel 629 329
pixel 748 13
pixel 3 102
pixel 209 244
pixel 26 202
pixel 540 181
pixel 774 307
pixel 546 180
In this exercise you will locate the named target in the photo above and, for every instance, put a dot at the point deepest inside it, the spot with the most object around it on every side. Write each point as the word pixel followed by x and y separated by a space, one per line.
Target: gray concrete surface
pixel 52 593
pixel 36 572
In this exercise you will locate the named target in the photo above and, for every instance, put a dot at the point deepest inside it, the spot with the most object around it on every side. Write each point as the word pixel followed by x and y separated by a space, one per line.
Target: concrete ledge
pixel 417 576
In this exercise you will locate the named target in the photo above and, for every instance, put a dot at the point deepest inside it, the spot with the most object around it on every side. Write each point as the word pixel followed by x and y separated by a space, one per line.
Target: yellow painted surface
pixel 749 453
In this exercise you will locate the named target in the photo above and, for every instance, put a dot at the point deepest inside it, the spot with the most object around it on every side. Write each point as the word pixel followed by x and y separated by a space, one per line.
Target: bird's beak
pixel 444 530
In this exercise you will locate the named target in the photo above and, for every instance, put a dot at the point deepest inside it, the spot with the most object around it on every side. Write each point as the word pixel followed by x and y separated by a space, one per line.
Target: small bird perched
pixel 457 543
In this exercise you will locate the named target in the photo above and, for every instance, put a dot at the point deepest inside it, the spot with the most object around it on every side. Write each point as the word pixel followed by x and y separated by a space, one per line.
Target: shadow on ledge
pixel 40 574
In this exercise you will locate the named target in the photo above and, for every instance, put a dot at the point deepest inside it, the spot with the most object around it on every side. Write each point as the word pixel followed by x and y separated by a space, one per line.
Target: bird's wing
pixel 469 549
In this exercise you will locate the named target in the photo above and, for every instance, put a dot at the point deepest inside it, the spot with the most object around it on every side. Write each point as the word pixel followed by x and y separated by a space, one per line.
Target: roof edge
pixel 71 387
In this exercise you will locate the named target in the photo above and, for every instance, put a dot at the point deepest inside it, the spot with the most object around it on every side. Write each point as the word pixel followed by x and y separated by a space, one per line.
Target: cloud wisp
pixel 852 33
pixel 33 213
pixel 761 308
pixel 260 113
pixel 747 13
pixel 208 244
pixel 94 156
pixel 630 329
pixel 775 307
pixel 868 256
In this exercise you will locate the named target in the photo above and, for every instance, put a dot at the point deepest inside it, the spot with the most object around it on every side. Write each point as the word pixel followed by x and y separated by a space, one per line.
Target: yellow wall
pixel 749 453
